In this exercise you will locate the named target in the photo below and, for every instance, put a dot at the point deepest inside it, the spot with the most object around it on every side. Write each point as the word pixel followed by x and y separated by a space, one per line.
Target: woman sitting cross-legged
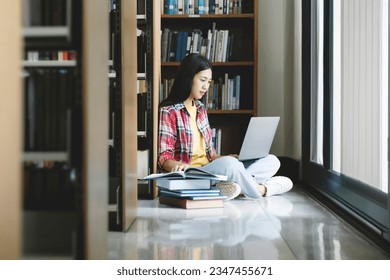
pixel 185 138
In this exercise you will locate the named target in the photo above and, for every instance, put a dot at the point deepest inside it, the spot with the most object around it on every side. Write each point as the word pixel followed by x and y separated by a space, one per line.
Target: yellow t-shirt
pixel 199 157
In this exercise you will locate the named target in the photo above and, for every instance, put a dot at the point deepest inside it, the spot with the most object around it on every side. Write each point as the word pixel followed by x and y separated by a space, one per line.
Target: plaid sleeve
pixel 166 136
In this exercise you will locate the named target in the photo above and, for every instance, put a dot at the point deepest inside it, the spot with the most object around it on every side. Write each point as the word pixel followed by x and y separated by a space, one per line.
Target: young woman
pixel 185 138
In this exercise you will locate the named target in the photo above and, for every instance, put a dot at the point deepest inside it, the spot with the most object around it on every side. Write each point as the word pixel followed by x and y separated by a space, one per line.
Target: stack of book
pixel 189 189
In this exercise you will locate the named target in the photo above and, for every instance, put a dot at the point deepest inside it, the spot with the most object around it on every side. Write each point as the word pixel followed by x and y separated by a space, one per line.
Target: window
pixel 345 47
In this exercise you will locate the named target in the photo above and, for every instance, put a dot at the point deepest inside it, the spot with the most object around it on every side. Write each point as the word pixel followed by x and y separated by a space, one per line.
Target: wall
pixel 279 90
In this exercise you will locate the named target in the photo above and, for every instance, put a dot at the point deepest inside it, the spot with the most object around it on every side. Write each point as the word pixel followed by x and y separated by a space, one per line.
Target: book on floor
pixel 191 204
pixel 194 195
pixel 189 173
pixel 180 184
pixel 195 191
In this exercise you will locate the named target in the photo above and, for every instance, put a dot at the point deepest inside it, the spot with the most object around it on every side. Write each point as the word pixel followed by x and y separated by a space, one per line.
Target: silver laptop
pixel 258 138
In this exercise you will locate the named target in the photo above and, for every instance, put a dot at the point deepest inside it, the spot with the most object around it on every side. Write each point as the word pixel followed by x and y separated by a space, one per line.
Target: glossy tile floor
pixel 291 226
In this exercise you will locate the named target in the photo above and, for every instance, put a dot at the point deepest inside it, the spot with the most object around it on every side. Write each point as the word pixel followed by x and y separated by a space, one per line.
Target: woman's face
pixel 201 83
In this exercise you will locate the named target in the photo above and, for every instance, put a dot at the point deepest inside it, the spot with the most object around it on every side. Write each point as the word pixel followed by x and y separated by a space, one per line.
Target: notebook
pixel 258 138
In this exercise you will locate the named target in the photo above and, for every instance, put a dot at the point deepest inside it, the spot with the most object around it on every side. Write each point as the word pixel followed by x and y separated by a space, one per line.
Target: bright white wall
pixel 279 75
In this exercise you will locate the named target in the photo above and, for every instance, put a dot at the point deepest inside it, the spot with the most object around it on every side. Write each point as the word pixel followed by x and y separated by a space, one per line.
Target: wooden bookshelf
pixel 242 62
pixel 149 23
pixel 122 142
pixel 11 122
pixel 77 227
pixel 129 112
pixel 95 108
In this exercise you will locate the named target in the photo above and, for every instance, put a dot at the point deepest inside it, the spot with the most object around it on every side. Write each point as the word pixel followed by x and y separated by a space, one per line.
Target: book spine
pixel 201 8
pixel 191 7
pixel 219 141
pixel 180 7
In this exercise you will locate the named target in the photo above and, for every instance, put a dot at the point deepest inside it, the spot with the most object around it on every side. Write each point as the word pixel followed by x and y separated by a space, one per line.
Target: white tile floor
pixel 291 226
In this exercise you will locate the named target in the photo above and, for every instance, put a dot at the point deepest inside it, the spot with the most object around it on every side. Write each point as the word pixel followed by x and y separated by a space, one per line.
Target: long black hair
pixel 181 88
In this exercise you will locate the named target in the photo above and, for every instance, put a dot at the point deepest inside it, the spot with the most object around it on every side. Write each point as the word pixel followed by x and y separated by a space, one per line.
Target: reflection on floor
pixel 291 226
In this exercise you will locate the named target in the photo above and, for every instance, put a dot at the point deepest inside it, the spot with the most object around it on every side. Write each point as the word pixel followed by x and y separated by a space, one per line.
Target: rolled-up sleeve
pixel 166 136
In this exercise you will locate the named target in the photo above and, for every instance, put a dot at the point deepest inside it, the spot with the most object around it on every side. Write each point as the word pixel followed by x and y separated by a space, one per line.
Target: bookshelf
pixel 239 58
pixel 11 121
pixel 144 106
pixel 148 24
pixel 52 171
pixel 115 120
pixel 128 116
pixel 56 191
pixel 122 137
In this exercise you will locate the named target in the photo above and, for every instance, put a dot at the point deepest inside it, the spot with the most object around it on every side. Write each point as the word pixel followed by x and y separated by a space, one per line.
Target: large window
pixel 360 90
pixel 345 104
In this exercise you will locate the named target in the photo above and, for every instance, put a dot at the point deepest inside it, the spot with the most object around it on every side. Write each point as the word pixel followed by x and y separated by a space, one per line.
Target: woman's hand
pixel 180 167
pixel 172 165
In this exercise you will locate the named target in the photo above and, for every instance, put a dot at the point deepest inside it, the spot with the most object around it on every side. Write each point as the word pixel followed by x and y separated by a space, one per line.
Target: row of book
pixel 48 97
pixel 216 45
pixel 49 185
pixel 45 12
pixel 223 93
pixel 199 7
pixel 189 189
pixel 50 55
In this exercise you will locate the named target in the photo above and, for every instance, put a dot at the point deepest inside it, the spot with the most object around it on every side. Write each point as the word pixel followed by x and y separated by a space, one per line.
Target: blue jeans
pixel 248 178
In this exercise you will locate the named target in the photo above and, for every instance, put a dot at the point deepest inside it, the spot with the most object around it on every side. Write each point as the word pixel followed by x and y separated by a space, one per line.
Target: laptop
pixel 258 139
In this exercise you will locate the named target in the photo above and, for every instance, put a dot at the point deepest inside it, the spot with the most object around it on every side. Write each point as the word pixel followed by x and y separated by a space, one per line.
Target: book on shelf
pixel 56 55
pixel 195 194
pixel 173 45
pixel 180 184
pixel 191 204
pixel 47 95
pixel 217 139
pixel 190 173
pixel 224 93
pixel 164 44
pixel 216 45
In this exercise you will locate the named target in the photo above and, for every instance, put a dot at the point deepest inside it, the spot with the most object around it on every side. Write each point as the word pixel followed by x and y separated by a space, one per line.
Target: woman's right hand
pixel 173 166
pixel 179 167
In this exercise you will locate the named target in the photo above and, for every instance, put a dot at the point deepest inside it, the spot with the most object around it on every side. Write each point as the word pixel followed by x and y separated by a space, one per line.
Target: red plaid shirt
pixel 175 135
